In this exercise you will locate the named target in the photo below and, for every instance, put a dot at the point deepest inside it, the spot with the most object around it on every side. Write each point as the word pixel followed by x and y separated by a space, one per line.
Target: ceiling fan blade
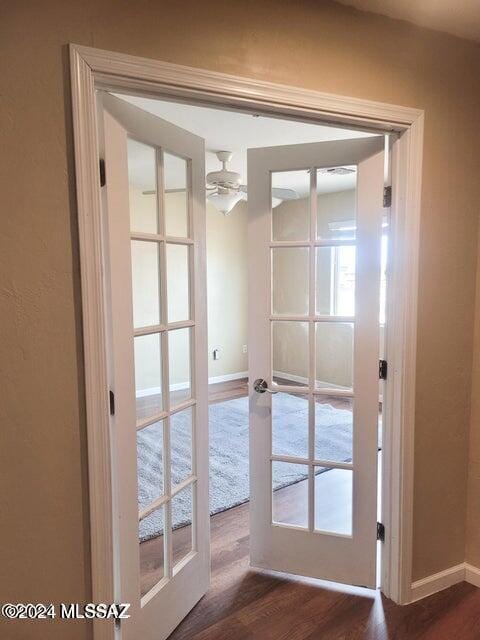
pixel 277 192
pixel 284 194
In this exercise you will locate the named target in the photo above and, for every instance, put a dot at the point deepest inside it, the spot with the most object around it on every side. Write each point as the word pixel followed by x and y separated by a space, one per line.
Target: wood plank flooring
pixel 246 604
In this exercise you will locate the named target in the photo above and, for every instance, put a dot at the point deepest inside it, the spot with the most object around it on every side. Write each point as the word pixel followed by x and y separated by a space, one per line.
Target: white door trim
pixel 94 68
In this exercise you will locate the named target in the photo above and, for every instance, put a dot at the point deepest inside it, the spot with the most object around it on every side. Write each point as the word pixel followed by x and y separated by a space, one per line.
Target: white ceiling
pixel 236 132
pixel 458 17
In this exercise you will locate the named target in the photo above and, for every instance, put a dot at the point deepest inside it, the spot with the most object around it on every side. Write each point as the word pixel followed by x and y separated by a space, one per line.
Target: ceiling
pixel 237 132
pixel 458 17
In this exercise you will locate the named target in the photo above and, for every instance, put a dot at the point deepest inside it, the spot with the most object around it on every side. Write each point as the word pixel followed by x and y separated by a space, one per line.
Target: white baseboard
pixel 437 582
pixel 472 574
pixel 444 579
pixel 150 391
pixel 291 377
pixel 318 383
pixel 228 377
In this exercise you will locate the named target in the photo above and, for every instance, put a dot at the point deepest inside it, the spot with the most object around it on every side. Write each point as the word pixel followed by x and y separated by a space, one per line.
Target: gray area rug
pixel 229 477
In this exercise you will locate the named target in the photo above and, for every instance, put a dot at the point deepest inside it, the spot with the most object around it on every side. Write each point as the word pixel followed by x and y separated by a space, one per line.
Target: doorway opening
pixel 228 135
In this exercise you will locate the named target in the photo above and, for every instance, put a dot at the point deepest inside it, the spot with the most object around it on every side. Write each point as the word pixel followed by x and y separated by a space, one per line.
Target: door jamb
pixel 93 69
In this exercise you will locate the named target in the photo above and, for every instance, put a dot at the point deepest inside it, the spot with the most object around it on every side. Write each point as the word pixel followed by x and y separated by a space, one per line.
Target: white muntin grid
pixel 310 389
pixel 164 329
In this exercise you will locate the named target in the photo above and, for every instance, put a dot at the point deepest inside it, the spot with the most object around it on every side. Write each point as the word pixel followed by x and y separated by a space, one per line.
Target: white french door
pixel 314 283
pixel 156 276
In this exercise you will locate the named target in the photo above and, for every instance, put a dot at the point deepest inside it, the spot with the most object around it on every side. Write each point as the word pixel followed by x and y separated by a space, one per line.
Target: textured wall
pixel 45 541
pixel 473 504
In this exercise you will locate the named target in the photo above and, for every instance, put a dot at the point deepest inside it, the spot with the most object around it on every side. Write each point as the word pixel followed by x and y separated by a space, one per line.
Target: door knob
pixel 261 386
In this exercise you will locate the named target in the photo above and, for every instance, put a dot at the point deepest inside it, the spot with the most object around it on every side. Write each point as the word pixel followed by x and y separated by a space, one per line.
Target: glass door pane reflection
pixel 290 493
pixel 148 375
pixel 152 550
pixel 334 354
pixel 142 187
pixel 290 352
pixel 179 356
pixel 145 283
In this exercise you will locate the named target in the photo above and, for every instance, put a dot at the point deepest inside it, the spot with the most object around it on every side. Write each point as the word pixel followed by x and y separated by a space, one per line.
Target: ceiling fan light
pixel 224 202
pixel 276 202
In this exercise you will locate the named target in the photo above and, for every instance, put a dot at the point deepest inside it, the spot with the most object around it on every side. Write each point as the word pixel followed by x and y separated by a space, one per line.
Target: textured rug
pixel 229 476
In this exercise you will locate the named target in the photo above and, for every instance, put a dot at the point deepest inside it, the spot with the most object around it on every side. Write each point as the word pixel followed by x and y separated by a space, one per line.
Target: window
pixel 343 285
pixel 342 289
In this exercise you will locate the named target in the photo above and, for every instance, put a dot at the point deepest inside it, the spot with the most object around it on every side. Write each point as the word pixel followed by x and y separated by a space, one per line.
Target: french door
pixel 156 277
pixel 314 283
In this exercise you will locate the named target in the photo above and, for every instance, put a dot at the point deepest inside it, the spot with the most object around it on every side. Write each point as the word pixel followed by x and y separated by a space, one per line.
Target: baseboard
pixel 318 383
pixel 291 377
pixel 472 574
pixel 444 579
pixel 437 582
pixel 228 377
pixel 151 391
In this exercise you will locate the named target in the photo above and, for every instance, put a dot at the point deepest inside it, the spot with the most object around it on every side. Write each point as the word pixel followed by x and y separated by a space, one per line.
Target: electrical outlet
pixel 244 348
pixel 216 354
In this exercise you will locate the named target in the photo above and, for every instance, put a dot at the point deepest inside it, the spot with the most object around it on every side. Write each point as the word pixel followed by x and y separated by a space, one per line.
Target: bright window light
pixel 342 289
pixel 344 281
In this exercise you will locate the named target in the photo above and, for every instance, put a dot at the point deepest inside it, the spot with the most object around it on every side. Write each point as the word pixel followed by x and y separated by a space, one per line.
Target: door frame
pixel 93 69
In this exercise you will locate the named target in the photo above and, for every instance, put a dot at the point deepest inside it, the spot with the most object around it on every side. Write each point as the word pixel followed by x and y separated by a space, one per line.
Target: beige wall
pixel 473 505
pixel 45 543
pixel 227 289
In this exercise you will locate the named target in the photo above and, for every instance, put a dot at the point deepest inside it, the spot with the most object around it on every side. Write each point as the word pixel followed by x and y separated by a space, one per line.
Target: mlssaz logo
pixel 92 611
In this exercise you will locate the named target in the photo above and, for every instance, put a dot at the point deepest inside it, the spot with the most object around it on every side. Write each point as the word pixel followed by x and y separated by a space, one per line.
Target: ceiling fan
pixel 225 189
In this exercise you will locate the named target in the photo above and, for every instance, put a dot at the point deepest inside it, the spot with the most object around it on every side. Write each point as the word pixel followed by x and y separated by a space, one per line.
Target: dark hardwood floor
pixel 238 388
pixel 246 604
pixel 222 391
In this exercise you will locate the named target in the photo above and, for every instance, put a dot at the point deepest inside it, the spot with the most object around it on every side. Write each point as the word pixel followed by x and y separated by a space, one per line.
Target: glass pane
pixel 291 218
pixel 182 514
pixel 290 493
pixel 176 196
pixel 178 282
pixel 148 375
pixel 150 464
pixel 152 551
pixel 290 281
pixel 335 285
pixel 179 365
pixel 290 352
pixel 142 187
pixel 333 500
pixel 181 445
pixel 145 283
pixel 290 425
pixel 336 202
pixel 334 354
pixel 333 428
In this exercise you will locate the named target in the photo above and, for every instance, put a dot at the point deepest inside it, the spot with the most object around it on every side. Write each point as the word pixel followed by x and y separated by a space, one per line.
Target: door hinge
pixel 380 532
pixel 382 369
pixel 387 197
pixel 111 397
pixel 101 168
